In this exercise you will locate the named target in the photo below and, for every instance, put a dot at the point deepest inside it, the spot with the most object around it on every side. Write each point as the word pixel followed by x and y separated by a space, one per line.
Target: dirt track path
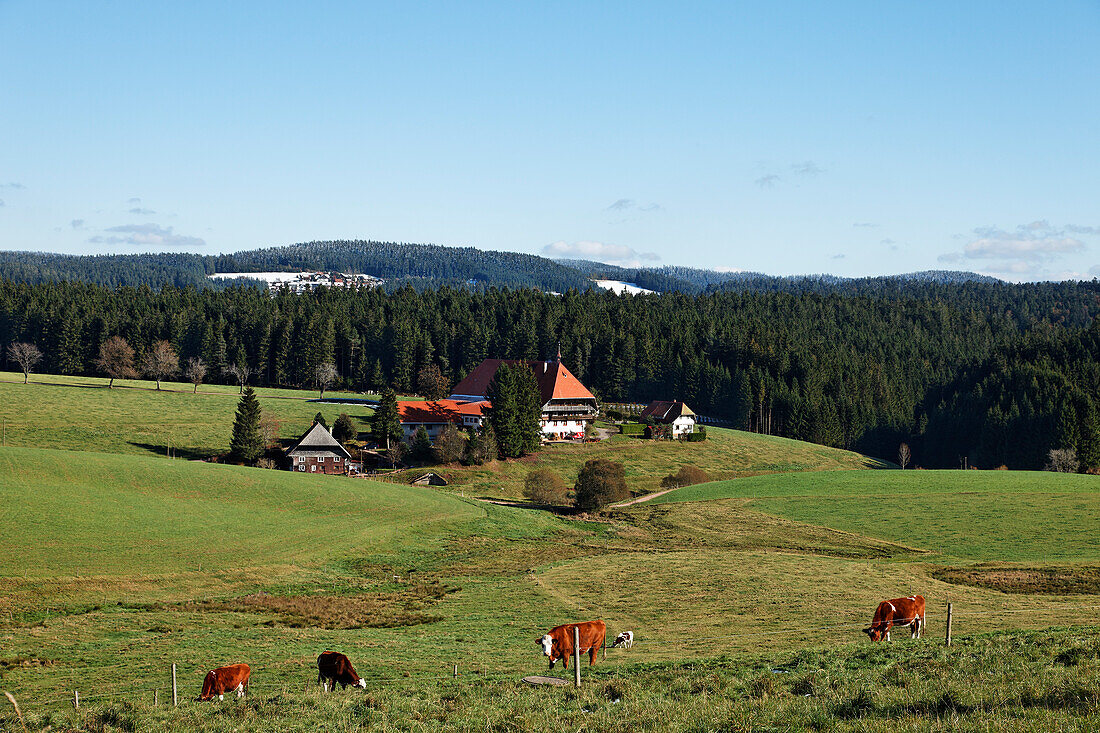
pixel 640 499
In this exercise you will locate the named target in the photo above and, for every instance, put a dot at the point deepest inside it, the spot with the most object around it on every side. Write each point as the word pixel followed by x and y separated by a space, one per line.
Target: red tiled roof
pixel 438 411
pixel 665 411
pixel 554 380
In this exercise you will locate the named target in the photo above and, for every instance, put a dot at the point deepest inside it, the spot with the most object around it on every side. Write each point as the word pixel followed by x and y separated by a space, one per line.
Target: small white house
pixel 676 414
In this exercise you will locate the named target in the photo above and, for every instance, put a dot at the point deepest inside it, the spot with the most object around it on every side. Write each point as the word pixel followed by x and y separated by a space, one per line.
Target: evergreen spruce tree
pixel 385 424
pixel 247 443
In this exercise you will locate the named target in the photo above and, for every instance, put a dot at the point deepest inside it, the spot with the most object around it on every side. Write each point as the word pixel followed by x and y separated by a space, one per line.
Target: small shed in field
pixel 431 478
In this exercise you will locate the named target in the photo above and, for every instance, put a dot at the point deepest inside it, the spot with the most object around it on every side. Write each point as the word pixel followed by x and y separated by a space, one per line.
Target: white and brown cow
pixel 557 644
pixel 225 679
pixel 624 640
pixel 334 667
pixel 897 612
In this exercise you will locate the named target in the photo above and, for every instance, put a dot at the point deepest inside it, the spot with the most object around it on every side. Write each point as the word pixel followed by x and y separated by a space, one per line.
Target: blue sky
pixel 853 138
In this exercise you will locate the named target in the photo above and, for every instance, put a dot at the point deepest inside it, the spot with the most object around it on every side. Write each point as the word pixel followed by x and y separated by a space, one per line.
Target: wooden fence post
pixel 577 656
pixel 947 638
pixel 156 697
pixel 175 697
pixel 76 699
pixel 456 672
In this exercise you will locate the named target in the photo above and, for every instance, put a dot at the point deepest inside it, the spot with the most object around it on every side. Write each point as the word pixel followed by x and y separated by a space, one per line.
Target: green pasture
pixel 114 567
pixel 969 515
pixel 725 454
pixel 80 413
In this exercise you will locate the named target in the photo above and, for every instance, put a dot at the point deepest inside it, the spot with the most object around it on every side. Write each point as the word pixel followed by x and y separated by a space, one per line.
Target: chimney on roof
pixel 559 352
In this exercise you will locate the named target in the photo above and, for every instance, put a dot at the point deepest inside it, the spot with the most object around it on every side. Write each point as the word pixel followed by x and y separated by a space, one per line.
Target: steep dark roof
pixel 318 440
pixel 664 411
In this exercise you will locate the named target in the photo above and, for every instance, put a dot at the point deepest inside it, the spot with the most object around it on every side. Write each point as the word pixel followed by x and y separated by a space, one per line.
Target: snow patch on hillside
pixel 620 287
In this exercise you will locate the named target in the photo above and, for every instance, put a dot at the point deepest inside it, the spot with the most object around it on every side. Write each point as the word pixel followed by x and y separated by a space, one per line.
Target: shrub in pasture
pixel 686 476
pixel 543 486
pixel 699 436
pixel 1062 460
pixel 599 483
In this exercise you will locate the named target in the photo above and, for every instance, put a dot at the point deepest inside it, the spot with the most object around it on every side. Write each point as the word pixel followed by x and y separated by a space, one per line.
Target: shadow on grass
pixel 188 454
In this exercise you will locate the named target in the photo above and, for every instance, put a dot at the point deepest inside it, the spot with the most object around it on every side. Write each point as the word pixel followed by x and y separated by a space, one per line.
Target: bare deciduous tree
pixel 26 356
pixel 325 375
pixel 269 428
pixel 903 455
pixel 1063 460
pixel 242 373
pixel 116 360
pixel 161 362
pixel 195 372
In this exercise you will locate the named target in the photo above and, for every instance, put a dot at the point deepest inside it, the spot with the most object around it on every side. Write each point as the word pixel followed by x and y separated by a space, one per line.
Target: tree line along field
pixel 80 413
pixel 142 562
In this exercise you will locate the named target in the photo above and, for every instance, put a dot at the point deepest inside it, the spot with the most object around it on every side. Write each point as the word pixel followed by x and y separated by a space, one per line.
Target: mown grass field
pixel 410 581
pixel 726 454
pixel 975 515
pixel 80 413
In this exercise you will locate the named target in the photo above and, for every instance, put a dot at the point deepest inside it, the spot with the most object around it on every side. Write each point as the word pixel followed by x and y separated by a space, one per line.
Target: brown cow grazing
pixel 336 667
pixel 897 612
pixel 558 642
pixel 223 679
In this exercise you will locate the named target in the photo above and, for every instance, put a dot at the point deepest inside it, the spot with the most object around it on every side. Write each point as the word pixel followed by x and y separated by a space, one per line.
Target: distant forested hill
pixel 155 270
pixel 419 265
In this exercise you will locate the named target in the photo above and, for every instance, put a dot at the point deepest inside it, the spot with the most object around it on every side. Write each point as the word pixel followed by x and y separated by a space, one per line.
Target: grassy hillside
pixel 79 413
pixel 725 454
pixel 410 581
pixel 980 515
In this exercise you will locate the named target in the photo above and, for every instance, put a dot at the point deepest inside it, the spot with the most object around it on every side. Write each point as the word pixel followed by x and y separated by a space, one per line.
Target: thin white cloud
pixel 621 205
pixel 838 257
pixel 612 254
pixel 147 235
pixel 1095 270
pixel 2 202
pixel 768 181
pixel 134 200
pixel 77 223
pixel 142 212
pixel 866 225
pixel 807 168
pixel 14 186
pixel 1028 252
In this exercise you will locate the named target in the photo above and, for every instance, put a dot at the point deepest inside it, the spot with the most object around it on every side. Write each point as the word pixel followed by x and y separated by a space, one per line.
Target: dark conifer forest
pixel 987 372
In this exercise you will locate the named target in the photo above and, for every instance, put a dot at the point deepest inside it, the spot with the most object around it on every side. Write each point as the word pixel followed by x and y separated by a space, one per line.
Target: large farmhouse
pixel 318 452
pixel 567 405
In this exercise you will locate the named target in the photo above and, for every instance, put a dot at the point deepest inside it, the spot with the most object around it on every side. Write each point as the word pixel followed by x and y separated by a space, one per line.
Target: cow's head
pixel 361 683
pixel 876 633
pixel 547 643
